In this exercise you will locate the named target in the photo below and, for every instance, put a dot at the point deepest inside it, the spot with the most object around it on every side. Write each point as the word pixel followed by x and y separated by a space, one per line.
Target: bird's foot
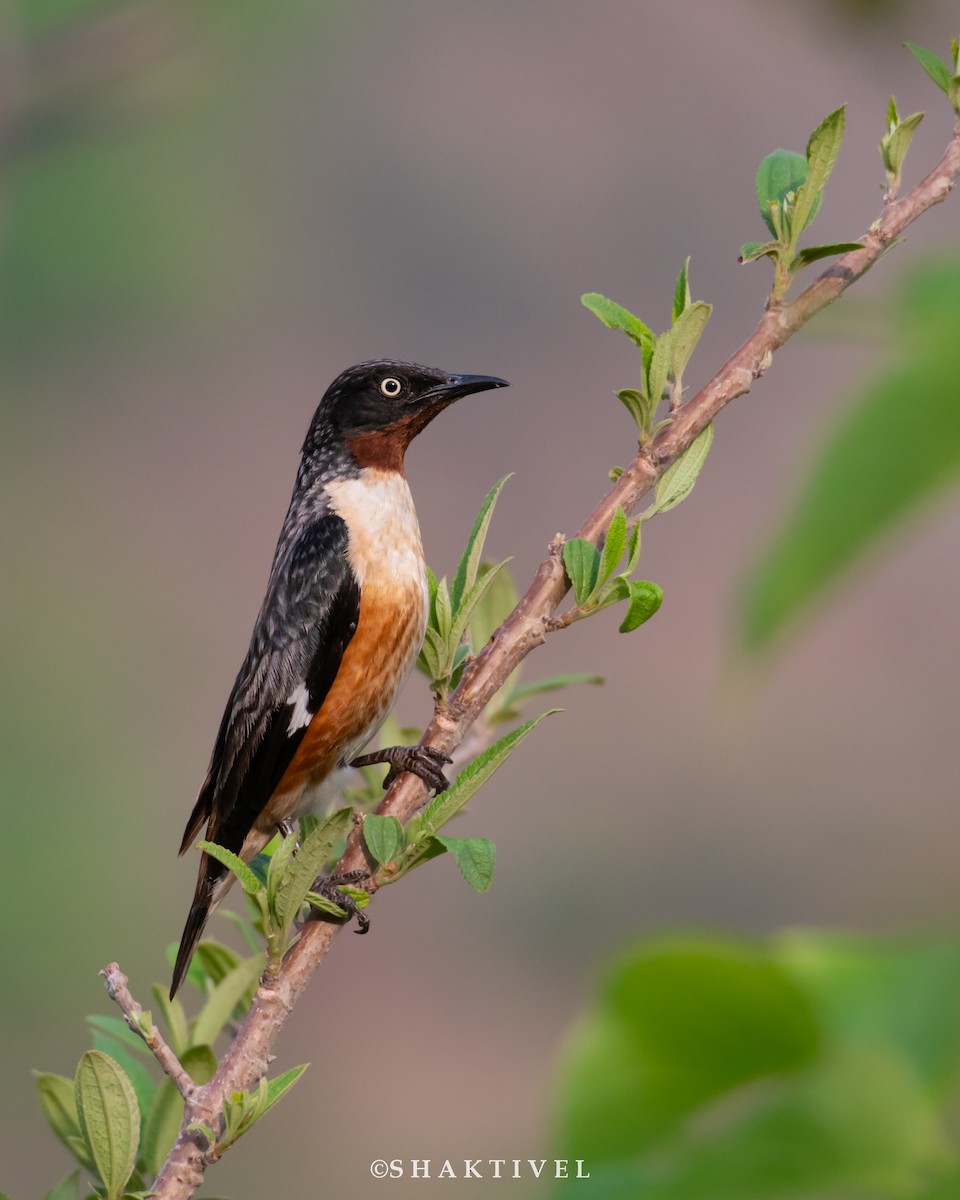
pixel 285 827
pixel 423 761
pixel 329 887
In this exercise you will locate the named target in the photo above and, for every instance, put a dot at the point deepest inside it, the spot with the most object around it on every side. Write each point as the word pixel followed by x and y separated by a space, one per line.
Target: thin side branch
pixel 246 1059
pixel 118 991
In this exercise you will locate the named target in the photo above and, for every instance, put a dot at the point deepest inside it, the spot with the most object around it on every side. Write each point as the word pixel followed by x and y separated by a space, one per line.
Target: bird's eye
pixel 390 387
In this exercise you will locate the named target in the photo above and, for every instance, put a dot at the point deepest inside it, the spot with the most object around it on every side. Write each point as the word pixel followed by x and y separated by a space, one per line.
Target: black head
pixel 376 408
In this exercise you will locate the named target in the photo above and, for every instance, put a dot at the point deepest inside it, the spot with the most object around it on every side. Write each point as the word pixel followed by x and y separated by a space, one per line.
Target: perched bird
pixel 339 629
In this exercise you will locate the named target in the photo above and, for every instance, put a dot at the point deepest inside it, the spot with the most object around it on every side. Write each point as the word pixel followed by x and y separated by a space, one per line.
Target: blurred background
pixel 206 212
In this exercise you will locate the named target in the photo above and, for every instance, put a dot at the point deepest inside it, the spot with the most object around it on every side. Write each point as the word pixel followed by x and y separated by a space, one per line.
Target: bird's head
pixel 375 409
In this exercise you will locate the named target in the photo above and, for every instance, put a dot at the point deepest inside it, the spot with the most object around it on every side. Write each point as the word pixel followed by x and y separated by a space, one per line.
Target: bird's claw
pixel 425 762
pixel 329 886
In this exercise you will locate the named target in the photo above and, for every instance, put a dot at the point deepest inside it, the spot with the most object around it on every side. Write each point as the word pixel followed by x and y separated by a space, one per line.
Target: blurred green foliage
pixel 121 195
pixel 895 449
pixel 815 1065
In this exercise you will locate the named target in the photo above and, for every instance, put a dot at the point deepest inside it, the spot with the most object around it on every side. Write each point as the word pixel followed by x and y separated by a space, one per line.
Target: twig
pixel 245 1062
pixel 118 991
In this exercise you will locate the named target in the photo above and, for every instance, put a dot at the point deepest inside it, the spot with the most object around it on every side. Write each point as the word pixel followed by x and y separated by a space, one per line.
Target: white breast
pixel 385 548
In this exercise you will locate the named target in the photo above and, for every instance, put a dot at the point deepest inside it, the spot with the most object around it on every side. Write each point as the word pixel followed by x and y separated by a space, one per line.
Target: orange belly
pixel 375 665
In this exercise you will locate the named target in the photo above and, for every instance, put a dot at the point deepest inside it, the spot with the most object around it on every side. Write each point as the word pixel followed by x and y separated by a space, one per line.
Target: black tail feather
pixel 196 920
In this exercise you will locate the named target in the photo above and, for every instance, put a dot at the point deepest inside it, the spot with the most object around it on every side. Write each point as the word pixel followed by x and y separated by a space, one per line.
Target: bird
pixel 339 629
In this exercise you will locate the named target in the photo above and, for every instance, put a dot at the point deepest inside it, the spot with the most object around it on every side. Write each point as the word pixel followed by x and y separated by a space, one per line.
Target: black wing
pixel 307 620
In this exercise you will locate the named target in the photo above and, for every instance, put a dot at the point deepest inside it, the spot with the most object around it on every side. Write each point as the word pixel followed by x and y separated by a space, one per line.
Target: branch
pixel 247 1057
pixel 116 983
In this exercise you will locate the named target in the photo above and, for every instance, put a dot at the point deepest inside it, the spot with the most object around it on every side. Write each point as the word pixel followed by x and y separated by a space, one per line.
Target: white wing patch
pixel 301 716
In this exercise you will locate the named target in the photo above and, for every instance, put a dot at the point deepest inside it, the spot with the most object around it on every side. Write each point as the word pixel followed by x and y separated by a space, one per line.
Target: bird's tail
pixel 212 884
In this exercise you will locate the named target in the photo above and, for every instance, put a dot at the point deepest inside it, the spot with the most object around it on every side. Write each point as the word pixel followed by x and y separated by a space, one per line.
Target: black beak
pixel 463 385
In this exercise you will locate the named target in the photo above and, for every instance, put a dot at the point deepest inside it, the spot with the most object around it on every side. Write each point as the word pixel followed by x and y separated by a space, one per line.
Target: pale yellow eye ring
pixel 390 387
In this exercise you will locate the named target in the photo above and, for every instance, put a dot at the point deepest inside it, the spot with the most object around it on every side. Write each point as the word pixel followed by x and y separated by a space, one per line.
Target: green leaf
pixel 475 859
pixel 875 469
pixel 196 977
pixel 469 566
pixel 681 291
pixel 224 998
pixel 276 873
pixel 174 1018
pixel 444 610
pixel 633 549
pixel 200 1063
pixel 325 905
pixel 751 251
pixel 468 604
pixel 248 880
pixel 441 808
pixel 896 142
pixel 780 173
pixel 852 1125
pixel 259 865
pixel 646 359
pixel 432 585
pixel 493 608
pixel 312 858
pixel 460 656
pixel 109 1119
pixel 165 1116
pixel 58 1101
pixel 822 151
pixel 677 481
pixel 724 1071
pixel 66 1189
pixel 935 67
pixel 616 590
pixel 582 562
pixel 636 405
pixel 417 853
pixel 614 316
pixel 216 960
pixel 554 683
pixel 432 655
pixel 893 117
pixel 687 331
pixel 277 1088
pixel 645 599
pixel 243 1109
pixel 659 369
pixel 896 991
pixel 143 1082
pixel 614 545
pixel 678 1022
pixel 811 254
pixel 383 836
